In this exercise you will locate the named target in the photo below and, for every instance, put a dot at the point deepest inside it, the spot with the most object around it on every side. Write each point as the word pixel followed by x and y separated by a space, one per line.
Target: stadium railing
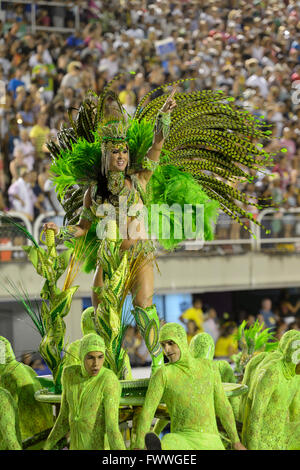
pixel 35 27
pixel 273 220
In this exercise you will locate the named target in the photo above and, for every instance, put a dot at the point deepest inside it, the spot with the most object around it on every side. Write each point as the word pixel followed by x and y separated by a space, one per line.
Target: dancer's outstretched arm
pixel 162 125
pixel 225 413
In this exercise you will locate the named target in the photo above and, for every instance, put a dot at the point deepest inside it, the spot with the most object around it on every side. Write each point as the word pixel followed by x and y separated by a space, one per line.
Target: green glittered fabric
pixel 22 383
pixel 202 346
pixel 90 405
pixel 249 371
pixel 257 359
pixel 194 397
pixel 10 436
pixel 274 398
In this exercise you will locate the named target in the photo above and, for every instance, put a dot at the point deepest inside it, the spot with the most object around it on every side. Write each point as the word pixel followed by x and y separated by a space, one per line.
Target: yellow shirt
pixel 195 314
pixel 223 344
pixel 40 134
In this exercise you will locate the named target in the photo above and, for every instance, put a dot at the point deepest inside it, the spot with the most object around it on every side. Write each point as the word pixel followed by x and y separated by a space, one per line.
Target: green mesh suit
pixel 22 383
pixel 194 396
pixel 10 437
pixel 202 346
pixel 272 409
pixel 90 405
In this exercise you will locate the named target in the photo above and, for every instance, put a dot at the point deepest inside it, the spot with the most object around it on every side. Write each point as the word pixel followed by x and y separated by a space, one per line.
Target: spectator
pixel 210 324
pixel 191 329
pixel 15 82
pixel 72 78
pixel 39 135
pixel 226 345
pixel 26 147
pixel 21 196
pixel 142 356
pixel 194 313
pixel 266 315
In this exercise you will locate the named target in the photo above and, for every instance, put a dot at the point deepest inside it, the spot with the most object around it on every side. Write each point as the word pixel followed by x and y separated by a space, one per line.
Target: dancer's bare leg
pixel 145 312
pixel 143 286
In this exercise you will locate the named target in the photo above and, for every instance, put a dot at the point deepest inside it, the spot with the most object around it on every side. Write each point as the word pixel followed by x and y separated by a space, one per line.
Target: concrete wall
pixel 189 273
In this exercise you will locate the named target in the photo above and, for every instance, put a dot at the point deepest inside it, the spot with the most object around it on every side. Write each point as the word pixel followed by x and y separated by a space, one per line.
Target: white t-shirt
pixel 49 188
pixel 260 82
pixel 24 191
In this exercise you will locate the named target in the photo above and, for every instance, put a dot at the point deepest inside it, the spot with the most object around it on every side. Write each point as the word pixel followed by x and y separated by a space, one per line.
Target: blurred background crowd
pixel 278 316
pixel 251 50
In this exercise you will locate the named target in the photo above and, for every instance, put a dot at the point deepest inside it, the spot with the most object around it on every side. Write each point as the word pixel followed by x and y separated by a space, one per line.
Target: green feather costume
pixel 211 145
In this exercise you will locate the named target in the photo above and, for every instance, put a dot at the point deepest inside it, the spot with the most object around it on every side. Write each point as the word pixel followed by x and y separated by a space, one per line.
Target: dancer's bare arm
pixel 153 153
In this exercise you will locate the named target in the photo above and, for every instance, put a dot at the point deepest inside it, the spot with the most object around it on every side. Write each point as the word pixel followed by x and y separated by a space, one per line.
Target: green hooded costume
pixel 202 346
pixel 10 437
pixel 90 405
pixel 194 395
pixel 254 363
pixel 22 383
pixel 272 409
pixel 88 326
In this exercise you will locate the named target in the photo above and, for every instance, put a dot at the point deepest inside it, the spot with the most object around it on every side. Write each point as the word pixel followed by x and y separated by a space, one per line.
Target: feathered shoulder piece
pixel 211 138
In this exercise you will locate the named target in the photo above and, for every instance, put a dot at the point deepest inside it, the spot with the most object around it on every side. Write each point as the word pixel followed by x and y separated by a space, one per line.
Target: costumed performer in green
pixel 115 159
pixel 72 356
pixel 21 382
pixel 202 346
pixel 194 396
pixel 90 402
pixel 10 436
pixel 272 409
pixel 195 158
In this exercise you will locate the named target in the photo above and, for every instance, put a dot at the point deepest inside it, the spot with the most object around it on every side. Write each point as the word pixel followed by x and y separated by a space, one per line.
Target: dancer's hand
pixel 51 226
pixel 239 446
pixel 170 104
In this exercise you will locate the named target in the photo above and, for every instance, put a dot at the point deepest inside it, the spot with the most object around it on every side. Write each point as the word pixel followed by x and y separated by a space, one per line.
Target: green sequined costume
pixel 193 394
pixel 90 405
pixel 272 410
pixel 202 346
pixel 22 383
pixel 10 436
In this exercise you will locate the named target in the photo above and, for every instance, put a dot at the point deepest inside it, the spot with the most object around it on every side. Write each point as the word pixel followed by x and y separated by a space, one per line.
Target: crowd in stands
pixel 250 50
pixel 278 318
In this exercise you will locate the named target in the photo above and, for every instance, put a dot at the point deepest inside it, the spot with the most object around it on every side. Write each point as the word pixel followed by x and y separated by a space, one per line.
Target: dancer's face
pixel 93 362
pixel 171 350
pixel 118 157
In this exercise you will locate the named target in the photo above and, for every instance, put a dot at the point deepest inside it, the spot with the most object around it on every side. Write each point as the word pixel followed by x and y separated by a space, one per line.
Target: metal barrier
pixel 282 220
pixel 35 27
pixel 255 243
pixel 9 235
